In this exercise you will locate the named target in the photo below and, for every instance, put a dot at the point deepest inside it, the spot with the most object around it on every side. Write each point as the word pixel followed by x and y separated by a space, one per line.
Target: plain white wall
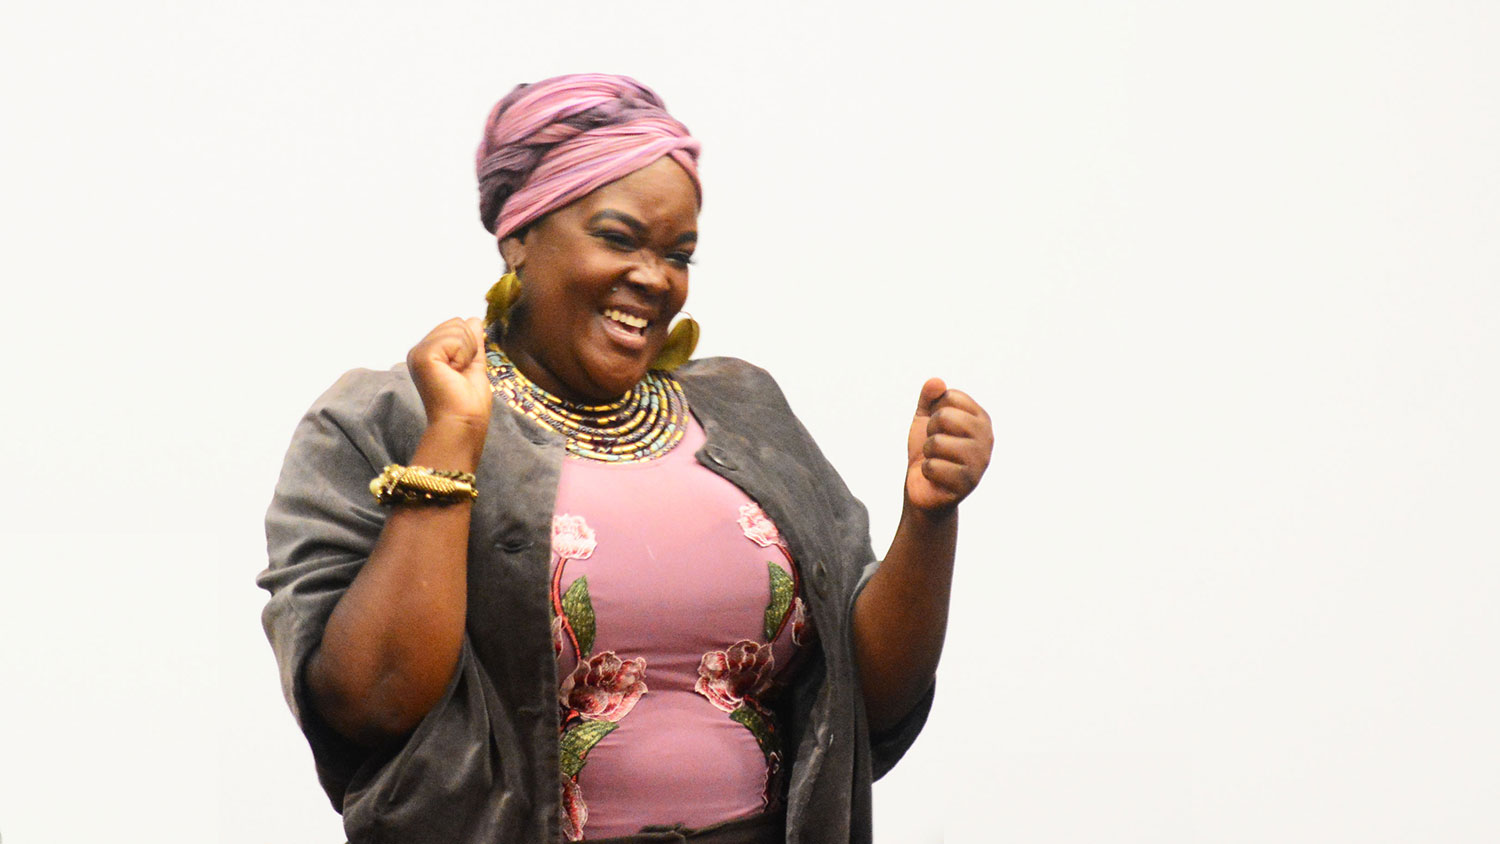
pixel 1225 275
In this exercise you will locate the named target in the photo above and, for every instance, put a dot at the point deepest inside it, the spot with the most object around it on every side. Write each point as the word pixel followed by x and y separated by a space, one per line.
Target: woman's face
pixel 601 280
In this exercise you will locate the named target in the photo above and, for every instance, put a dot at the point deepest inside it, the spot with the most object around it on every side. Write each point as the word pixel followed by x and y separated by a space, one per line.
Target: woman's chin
pixel 613 379
pixel 614 365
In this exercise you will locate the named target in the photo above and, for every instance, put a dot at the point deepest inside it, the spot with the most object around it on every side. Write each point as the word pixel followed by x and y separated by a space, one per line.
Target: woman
pixel 622 602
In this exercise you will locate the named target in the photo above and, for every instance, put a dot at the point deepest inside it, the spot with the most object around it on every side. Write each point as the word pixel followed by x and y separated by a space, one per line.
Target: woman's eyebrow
pixel 620 216
pixel 636 225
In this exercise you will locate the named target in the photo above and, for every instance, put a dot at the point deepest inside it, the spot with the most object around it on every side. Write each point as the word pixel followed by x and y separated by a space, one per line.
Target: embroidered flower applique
pixel 575 812
pixel 573 611
pixel 758 527
pixel 727 678
pixel 572 538
pixel 604 687
pixel 736 679
pixel 733 680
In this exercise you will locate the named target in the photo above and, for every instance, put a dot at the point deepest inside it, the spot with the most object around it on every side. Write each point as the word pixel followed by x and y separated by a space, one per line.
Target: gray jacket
pixel 482 766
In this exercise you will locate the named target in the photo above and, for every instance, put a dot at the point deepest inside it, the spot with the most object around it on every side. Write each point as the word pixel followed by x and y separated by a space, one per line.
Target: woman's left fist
pixel 947 449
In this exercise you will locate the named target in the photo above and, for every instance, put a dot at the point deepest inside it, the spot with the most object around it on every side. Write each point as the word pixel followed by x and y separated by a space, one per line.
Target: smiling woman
pixel 606 274
pixel 601 592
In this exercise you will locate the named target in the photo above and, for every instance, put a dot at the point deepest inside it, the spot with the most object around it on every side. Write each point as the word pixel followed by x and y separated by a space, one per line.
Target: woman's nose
pixel 650 274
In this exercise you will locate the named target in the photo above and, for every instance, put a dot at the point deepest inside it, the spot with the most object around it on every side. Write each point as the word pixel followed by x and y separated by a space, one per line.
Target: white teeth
pixel 632 321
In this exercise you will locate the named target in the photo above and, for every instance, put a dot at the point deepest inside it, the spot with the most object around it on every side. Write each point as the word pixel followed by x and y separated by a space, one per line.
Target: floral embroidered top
pixel 676 615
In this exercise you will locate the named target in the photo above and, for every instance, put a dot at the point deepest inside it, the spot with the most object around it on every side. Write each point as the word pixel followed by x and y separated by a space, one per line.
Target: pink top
pixel 676 614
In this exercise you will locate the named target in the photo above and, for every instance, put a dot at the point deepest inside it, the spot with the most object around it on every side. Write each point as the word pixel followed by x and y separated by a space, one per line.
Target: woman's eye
pixel 619 240
pixel 681 259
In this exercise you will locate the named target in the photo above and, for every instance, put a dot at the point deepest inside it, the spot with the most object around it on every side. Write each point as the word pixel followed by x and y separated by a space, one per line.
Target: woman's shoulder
pixel 376 410
pixel 358 388
pixel 729 377
pixel 377 394
pixel 729 394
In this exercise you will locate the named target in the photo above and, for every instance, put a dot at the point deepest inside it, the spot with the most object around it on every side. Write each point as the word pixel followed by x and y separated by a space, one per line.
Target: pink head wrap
pixel 551 142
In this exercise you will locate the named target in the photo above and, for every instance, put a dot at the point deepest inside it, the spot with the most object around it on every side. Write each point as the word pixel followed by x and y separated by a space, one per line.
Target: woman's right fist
pixel 448 368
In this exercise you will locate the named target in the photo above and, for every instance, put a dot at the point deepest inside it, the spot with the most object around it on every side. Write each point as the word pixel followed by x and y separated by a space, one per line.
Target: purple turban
pixel 551 142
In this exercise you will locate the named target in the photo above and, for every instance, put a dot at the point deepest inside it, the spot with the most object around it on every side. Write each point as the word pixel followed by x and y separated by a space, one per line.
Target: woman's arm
pixel 393 641
pixel 902 614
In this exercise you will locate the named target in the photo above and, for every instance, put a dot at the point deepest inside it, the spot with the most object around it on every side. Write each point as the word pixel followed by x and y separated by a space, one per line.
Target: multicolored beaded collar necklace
pixel 643 424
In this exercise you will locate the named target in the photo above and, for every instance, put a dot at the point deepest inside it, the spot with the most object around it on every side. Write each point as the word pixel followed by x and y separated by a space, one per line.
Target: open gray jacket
pixel 482 766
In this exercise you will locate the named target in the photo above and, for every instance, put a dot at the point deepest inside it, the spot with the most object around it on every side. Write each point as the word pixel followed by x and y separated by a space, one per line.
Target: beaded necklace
pixel 641 425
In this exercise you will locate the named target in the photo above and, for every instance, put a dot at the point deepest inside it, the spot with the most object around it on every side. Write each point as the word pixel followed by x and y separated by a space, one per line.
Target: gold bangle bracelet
pixel 398 484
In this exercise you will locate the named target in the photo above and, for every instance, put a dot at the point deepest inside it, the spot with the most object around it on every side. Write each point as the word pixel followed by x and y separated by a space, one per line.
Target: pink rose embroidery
pixel 572 538
pixel 727 678
pixel 575 811
pixel 604 687
pixel 758 527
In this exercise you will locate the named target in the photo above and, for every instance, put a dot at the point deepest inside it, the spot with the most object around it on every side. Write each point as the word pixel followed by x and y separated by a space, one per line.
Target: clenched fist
pixel 448 368
pixel 947 449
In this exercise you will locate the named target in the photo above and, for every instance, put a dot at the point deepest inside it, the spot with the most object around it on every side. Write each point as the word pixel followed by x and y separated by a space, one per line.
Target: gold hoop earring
pixel 501 297
pixel 681 341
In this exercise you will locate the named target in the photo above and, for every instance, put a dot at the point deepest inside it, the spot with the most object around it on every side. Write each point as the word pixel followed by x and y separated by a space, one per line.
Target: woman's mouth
pixel 627 327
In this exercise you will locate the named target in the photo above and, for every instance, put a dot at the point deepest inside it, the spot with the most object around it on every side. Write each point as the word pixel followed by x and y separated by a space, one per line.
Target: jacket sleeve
pixel 320 529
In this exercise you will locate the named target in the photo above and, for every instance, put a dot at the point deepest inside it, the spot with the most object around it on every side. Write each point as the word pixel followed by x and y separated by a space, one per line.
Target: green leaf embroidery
pixel 580 612
pixel 759 726
pixel 782 588
pixel 579 740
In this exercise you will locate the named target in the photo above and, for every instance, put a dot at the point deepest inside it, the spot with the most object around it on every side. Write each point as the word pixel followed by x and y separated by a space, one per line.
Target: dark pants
pixel 761 829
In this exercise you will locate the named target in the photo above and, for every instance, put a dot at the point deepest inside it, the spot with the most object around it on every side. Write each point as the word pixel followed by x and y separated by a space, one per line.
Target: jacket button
pixel 719 456
pixel 821 572
pixel 514 540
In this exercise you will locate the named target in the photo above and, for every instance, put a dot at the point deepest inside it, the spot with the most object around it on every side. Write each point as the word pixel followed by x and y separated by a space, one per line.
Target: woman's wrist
pixel 451 443
pixel 923 548
pixel 936 518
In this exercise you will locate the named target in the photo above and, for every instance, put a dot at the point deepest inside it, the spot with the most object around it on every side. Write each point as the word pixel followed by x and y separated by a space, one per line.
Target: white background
pixel 1225 275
